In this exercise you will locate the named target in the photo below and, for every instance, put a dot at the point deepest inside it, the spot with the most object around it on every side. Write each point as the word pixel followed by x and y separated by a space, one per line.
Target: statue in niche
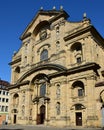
pixel 23 110
pixel 58 108
pixel 23 100
pixel 43 34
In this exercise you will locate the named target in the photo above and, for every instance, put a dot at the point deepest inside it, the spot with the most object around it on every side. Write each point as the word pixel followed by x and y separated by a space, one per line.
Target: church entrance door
pixel 78 118
pixel 42 114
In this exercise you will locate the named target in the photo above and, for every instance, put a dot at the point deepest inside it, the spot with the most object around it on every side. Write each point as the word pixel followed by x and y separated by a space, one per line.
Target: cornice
pixel 15 61
pixel 57 67
pixel 26 36
pixel 12 86
pixel 99 84
pixel 89 28
pixel 87 66
pixel 77 33
pixel 61 72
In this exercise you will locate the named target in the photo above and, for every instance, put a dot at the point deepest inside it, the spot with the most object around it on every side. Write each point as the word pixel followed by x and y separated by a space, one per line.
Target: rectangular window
pixel 3 87
pixel 79 60
pixel 7 100
pixel 3 92
pixel 3 108
pixel 6 108
pixel 80 92
pixel 7 93
pixel 43 90
pixel 3 99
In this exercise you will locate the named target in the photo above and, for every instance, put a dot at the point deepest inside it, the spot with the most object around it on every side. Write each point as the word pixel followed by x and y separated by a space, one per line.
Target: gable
pixel 42 17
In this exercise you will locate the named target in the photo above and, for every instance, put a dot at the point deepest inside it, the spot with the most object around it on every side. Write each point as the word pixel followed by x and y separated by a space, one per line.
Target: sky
pixel 15 15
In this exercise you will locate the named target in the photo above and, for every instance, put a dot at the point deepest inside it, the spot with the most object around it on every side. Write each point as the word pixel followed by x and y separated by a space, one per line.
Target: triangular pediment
pixel 43 16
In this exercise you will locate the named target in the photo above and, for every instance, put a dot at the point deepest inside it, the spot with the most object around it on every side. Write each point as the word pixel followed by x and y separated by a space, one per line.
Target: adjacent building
pixel 4 101
pixel 58 73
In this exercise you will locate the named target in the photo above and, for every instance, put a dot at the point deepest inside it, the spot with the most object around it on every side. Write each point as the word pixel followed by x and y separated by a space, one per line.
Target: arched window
pixel 16 73
pixel 58 91
pixel 44 55
pixel 43 89
pixel 16 99
pixel 78 106
pixel 17 70
pixel 78 89
pixel 76 49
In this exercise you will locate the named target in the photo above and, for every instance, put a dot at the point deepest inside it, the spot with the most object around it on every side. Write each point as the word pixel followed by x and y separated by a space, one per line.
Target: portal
pixel 78 118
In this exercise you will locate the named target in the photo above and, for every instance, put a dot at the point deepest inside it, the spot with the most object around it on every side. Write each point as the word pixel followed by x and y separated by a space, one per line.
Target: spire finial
pixel 61 7
pixel 54 8
pixel 41 8
pixel 84 16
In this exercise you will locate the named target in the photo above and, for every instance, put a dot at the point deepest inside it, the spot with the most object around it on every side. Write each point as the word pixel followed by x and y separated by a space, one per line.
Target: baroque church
pixel 57 75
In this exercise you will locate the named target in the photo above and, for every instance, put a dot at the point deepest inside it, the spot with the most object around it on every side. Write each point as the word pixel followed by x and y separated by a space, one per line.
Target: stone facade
pixel 57 74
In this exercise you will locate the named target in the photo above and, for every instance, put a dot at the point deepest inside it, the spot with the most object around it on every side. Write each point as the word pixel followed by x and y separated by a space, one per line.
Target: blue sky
pixel 15 15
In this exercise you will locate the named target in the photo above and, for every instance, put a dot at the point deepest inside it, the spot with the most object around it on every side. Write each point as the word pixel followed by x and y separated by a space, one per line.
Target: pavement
pixel 42 127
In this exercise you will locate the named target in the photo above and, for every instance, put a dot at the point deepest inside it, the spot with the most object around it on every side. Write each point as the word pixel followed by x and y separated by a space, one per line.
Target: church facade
pixel 58 73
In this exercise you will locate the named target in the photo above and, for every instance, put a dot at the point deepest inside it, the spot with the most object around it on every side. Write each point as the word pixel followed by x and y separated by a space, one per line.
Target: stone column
pixel 91 103
pixel 34 116
pixel 46 112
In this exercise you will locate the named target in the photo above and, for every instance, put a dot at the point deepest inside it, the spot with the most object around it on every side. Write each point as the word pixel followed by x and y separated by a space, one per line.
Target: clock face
pixel 43 34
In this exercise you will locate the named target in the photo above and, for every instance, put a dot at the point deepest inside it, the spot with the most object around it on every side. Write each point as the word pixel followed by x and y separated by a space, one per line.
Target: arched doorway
pixel 15 104
pixel 42 114
pixel 79 114
pixel 14 111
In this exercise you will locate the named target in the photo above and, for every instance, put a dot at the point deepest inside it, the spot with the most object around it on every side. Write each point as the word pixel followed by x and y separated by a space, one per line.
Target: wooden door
pixel 15 116
pixel 78 118
pixel 38 119
pixel 42 114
